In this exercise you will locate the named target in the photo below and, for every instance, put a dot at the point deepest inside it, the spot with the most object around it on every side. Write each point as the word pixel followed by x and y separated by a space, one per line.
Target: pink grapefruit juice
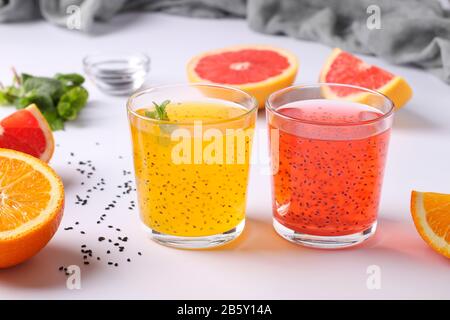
pixel 330 170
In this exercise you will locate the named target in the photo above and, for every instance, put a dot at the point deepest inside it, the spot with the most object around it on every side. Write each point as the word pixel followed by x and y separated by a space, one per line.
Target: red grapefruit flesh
pixel 258 70
pixel 343 67
pixel 27 130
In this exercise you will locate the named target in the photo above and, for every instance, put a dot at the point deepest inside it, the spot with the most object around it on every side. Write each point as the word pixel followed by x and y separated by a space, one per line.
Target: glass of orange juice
pixel 191 148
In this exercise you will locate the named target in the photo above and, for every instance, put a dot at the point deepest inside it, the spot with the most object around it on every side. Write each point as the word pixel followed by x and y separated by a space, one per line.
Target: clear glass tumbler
pixel 328 145
pixel 191 161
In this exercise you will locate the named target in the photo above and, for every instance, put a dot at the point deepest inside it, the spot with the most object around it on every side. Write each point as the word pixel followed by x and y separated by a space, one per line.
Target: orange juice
pixel 197 192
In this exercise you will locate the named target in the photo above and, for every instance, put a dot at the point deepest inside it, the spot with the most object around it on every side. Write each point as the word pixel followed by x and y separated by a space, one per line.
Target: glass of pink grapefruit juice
pixel 328 156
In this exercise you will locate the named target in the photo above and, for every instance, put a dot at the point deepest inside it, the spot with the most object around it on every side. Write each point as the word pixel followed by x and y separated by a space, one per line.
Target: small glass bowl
pixel 117 73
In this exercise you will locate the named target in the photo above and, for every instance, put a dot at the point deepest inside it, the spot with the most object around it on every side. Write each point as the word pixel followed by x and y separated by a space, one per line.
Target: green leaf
pixel 45 86
pixel 41 99
pixel 25 76
pixel 72 102
pixel 70 79
pixel 54 120
pixel 151 114
pixel 160 113
pixel 59 98
pixel 3 99
pixel 9 95
pixel 160 109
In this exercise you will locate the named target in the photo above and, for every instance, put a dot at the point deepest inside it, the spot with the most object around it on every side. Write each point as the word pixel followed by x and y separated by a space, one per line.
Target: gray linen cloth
pixel 414 32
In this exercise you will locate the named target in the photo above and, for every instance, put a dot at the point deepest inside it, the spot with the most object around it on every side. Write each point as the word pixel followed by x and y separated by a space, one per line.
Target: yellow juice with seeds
pixel 192 171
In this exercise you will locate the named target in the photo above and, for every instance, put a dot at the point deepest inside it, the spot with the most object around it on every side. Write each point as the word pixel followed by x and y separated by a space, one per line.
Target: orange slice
pixel 31 206
pixel 343 67
pixel 431 214
pixel 257 69
pixel 27 130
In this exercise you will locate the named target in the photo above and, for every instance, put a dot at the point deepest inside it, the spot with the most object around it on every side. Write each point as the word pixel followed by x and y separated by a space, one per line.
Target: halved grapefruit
pixel 431 214
pixel 27 130
pixel 343 67
pixel 259 70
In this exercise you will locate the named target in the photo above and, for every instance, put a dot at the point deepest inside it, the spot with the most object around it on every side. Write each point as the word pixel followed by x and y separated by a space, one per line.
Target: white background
pixel 260 264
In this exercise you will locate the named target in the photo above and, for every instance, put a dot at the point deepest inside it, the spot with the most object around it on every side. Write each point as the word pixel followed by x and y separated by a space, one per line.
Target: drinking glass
pixel 328 145
pixel 192 167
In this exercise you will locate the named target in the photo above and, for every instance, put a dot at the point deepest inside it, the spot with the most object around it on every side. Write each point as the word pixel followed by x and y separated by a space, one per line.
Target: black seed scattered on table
pixel 86 169
pixel 140 253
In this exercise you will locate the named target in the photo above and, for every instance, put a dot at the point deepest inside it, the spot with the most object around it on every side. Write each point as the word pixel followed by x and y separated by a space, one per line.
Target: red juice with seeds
pixel 328 178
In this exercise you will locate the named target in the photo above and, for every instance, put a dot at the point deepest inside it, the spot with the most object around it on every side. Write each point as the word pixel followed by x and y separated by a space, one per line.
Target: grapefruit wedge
pixel 27 130
pixel 343 67
pixel 258 70
pixel 31 206
pixel 431 215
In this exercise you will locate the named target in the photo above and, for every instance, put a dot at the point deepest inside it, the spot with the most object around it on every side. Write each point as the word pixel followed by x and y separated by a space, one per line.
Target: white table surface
pixel 260 265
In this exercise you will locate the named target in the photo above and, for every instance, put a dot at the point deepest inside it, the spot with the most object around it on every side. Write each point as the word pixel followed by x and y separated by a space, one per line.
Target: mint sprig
pixel 160 112
pixel 60 98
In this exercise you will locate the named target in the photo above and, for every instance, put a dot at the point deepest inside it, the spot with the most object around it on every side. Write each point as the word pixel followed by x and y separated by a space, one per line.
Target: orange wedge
pixel 31 206
pixel 431 214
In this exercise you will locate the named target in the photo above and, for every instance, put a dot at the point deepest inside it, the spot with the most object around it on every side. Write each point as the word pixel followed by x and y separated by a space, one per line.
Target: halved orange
pixel 431 214
pixel 345 68
pixel 31 206
pixel 27 130
pixel 257 69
